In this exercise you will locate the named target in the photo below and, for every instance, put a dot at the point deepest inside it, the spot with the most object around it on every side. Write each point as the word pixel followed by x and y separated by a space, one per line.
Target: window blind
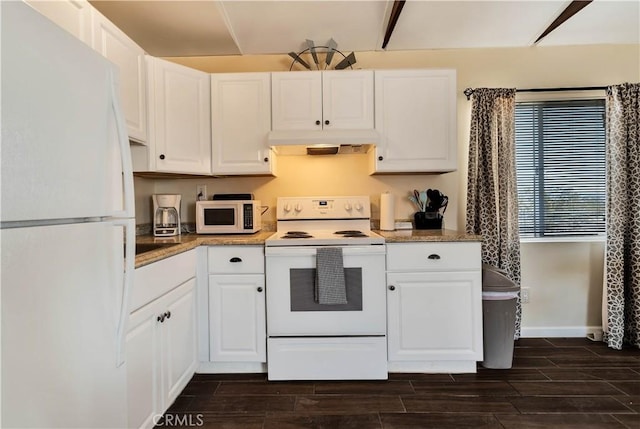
pixel 561 170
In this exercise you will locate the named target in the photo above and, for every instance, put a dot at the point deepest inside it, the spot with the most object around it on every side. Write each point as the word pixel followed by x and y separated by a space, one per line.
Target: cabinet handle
pixel 434 256
pixel 380 158
pixel 161 318
pixel 266 159
pixel 235 259
pixel 168 314
pixel 317 122
pixel 259 289
pixel 392 287
pixel 326 122
pixel 162 156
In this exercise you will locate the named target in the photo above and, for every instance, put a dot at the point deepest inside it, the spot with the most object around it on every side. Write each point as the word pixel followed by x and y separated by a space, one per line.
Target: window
pixel 560 162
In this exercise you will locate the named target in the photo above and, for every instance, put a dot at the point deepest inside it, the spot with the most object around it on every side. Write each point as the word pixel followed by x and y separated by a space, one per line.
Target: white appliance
pixel 166 215
pixel 67 205
pixel 309 340
pixel 228 217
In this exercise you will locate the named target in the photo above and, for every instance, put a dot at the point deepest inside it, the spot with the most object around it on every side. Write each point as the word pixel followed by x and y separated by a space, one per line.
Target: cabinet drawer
pixel 433 256
pixel 154 280
pixel 236 259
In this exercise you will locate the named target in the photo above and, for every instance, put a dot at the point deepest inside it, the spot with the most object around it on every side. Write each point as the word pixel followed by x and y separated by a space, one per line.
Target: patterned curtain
pixel 623 215
pixel 492 196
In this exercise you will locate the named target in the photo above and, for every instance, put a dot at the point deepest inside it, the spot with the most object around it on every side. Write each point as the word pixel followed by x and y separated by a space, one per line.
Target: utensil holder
pixel 427 220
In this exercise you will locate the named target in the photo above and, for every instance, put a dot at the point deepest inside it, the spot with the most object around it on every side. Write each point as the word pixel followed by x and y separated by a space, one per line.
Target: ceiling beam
pixel 393 19
pixel 573 8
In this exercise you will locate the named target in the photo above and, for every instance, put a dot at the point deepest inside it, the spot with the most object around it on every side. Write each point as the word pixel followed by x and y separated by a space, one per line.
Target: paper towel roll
pixel 387 212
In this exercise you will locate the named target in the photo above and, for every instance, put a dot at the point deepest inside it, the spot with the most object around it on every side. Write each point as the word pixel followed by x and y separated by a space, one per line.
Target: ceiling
pixel 169 28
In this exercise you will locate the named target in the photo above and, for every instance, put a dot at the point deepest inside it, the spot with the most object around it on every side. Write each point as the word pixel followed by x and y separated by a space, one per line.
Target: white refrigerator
pixel 66 212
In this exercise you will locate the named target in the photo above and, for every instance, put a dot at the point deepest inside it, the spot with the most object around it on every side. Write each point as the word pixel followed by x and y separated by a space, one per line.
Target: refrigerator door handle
pixel 127 285
pixel 125 152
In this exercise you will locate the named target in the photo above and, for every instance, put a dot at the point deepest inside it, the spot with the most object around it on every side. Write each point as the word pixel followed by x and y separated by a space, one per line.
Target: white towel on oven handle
pixel 330 283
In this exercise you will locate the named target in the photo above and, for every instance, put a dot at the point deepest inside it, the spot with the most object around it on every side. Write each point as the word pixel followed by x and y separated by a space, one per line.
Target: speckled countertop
pixel 186 242
pixel 426 235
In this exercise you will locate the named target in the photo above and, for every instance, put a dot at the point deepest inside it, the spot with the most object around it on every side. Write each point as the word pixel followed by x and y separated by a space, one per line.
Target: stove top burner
pixel 297 234
pixel 351 233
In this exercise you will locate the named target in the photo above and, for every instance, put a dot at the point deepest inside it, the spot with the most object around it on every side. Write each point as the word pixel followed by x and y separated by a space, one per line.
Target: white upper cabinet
pixel 72 15
pixel 416 117
pixel 316 100
pixel 117 47
pixel 241 121
pixel 179 118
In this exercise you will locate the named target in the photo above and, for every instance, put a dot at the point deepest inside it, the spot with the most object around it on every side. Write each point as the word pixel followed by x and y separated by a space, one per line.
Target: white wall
pixel 564 278
pixel 565 285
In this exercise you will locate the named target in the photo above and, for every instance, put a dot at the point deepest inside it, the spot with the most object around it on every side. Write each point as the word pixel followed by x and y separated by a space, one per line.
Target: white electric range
pixel 310 340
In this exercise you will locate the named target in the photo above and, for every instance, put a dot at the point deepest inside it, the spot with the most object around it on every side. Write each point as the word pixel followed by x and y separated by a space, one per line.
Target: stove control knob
pixel 298 207
pixel 358 206
pixel 347 207
pixel 287 208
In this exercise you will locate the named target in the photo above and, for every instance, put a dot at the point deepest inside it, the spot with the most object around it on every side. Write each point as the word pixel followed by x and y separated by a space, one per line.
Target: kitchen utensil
pixel 444 204
pixel 424 200
pixel 416 195
pixel 437 200
pixel 415 201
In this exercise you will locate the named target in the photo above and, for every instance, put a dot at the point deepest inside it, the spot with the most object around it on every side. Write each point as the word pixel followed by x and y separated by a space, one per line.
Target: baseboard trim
pixel 592 332
pixel 231 367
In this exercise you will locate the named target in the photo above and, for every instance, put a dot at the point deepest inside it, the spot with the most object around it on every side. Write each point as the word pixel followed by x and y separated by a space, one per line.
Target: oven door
pixel 290 283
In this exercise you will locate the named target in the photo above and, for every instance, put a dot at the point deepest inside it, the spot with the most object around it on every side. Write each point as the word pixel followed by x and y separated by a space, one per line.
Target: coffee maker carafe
pixel 166 215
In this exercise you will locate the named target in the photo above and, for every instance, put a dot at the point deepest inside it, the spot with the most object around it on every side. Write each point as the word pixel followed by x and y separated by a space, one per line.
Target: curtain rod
pixel 469 91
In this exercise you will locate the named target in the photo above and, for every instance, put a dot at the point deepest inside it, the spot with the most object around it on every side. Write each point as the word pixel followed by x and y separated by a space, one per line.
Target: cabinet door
pixel 116 46
pixel 180 127
pixel 415 114
pixel 237 317
pixel 143 366
pixel 241 121
pixel 72 15
pixel 434 316
pixel 179 340
pixel 296 100
pixel 347 99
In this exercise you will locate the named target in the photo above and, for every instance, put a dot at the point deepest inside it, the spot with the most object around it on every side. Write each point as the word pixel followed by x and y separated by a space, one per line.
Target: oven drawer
pixel 236 259
pixel 323 358
pixel 439 256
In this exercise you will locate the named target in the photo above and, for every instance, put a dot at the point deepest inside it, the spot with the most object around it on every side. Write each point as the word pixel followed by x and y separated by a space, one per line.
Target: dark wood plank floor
pixel 554 383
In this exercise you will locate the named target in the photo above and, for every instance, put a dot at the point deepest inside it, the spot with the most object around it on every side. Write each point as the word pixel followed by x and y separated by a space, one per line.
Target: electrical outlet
pixel 201 192
pixel 524 295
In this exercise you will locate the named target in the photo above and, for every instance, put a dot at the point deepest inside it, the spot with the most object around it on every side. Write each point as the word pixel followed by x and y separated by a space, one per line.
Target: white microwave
pixel 228 217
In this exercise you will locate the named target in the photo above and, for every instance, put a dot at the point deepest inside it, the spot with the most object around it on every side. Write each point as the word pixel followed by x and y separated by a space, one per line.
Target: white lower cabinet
pixel 161 343
pixel 237 318
pixel 434 307
pixel 237 313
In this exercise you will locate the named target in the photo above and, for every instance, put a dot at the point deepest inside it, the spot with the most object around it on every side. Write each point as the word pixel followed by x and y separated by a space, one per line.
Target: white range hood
pixel 296 142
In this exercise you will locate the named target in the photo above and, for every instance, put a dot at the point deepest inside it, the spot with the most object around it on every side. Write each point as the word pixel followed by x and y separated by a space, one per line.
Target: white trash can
pixel 499 298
